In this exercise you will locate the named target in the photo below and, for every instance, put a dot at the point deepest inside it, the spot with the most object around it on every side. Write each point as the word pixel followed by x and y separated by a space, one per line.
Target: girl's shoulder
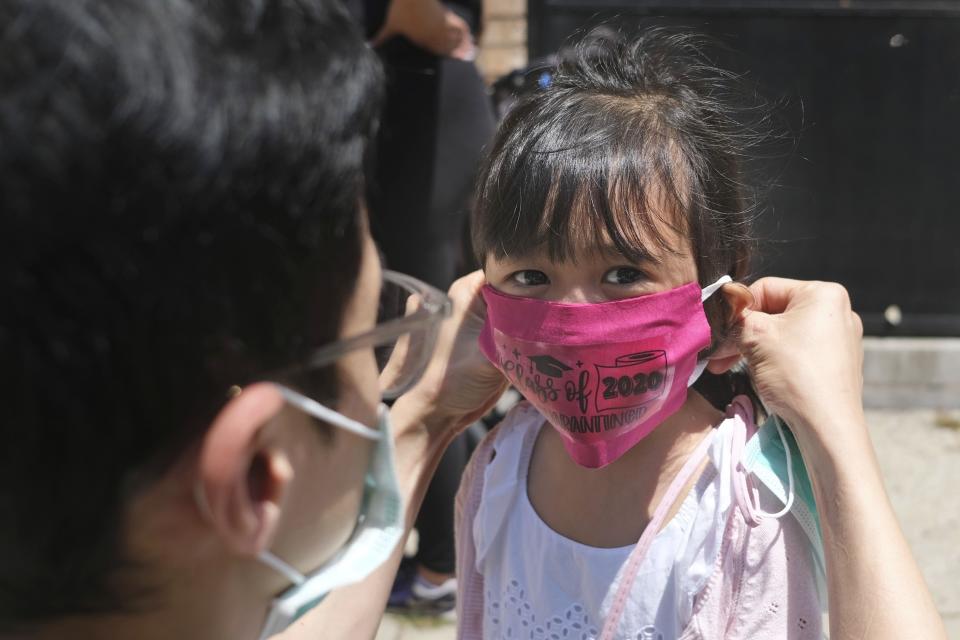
pixel 480 475
pixel 523 415
pixel 510 432
pixel 509 435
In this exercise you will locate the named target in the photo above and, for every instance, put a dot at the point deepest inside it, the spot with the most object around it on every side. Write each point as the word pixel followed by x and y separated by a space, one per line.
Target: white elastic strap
pixel 790 494
pixel 698 370
pixel 326 414
pixel 704 294
pixel 712 289
pixel 291 574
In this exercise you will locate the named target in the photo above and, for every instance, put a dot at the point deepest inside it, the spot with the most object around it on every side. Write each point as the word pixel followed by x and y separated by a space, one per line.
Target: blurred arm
pixel 429 25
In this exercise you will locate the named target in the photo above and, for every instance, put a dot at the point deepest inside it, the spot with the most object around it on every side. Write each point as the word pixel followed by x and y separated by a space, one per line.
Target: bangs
pixel 585 180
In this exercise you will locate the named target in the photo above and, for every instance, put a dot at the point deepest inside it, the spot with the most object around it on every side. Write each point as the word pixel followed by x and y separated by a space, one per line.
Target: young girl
pixel 615 502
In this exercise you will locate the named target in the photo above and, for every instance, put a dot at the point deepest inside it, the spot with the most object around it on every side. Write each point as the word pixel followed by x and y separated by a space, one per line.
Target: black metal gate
pixel 871 196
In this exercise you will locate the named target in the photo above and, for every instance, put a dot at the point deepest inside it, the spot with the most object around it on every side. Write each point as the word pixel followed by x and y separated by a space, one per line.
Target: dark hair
pixel 629 133
pixel 180 187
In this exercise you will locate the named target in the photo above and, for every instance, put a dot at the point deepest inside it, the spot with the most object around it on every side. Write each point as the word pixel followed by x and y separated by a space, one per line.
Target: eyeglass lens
pixel 402 361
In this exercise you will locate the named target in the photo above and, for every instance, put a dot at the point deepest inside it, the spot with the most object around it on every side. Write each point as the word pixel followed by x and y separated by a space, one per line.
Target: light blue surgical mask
pixel 379 527
pixel 773 457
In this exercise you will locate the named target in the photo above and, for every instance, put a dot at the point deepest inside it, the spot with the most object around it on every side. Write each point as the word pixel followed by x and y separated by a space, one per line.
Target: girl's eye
pixel 623 275
pixel 530 278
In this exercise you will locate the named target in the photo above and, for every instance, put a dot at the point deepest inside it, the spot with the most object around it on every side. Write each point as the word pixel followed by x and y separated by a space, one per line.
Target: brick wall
pixel 503 46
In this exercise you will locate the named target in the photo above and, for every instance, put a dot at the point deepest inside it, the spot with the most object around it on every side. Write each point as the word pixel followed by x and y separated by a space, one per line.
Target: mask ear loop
pixel 317 410
pixel 704 295
pixel 268 558
pixel 326 414
pixel 713 288
pixel 790 482
pixel 280 566
pixel 790 491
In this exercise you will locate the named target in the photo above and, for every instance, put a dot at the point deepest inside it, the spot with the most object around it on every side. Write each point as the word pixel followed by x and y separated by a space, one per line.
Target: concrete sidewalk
pixel 919 452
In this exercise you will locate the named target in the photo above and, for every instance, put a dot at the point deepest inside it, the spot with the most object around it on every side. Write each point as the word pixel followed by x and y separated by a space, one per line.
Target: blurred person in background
pixel 437 118
pixel 436 121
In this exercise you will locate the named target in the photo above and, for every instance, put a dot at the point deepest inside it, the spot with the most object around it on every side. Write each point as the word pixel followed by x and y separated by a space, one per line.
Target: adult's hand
pixel 459 385
pixel 803 343
pixel 430 26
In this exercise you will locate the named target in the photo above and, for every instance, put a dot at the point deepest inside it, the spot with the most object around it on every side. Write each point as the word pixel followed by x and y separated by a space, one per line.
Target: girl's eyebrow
pixel 641 255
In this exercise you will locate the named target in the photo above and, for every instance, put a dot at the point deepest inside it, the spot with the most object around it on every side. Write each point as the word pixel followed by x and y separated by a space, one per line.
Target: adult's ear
pixel 739 299
pixel 243 472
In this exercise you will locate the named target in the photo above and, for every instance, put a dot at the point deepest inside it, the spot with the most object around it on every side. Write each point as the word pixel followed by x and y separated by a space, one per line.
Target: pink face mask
pixel 603 374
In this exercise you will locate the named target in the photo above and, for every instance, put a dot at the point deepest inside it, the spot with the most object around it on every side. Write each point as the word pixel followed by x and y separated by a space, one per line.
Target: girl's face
pixel 598 274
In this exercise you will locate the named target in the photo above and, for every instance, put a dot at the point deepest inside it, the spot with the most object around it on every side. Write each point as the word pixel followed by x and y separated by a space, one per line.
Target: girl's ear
pixel 739 299
pixel 243 476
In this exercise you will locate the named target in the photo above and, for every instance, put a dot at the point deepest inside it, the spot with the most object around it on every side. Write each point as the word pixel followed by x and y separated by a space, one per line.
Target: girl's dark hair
pixel 630 134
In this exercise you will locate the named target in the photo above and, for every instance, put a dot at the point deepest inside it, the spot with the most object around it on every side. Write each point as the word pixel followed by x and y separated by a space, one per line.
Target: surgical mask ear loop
pixel 790 489
pixel 275 563
pixel 294 576
pixel 311 407
pixel 317 410
pixel 314 408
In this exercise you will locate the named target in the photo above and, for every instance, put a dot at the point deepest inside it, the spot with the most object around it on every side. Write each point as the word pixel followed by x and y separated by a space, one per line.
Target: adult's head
pixel 180 198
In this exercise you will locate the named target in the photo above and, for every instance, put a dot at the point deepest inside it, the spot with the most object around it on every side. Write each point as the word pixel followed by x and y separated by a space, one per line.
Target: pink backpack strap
pixel 745 493
pixel 639 552
pixel 470 585
pixel 470 596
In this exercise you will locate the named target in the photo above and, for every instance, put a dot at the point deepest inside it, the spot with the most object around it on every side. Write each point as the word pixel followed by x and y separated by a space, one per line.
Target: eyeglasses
pixel 408 321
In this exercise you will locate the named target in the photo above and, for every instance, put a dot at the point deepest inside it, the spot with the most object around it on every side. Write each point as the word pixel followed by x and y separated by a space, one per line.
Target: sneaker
pixel 434 598
pixel 424 598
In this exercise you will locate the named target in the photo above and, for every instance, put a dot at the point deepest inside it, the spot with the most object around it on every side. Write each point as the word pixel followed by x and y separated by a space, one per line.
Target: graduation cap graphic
pixel 548 365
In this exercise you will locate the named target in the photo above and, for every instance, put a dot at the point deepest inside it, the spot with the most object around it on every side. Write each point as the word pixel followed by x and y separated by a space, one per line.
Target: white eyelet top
pixel 540 585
